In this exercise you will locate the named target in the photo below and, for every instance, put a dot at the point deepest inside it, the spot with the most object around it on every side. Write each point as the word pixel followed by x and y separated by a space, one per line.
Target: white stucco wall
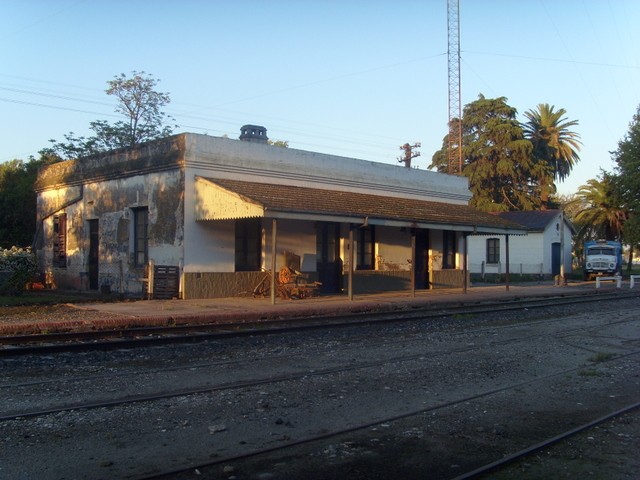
pixel 528 254
pixel 215 157
pixel 234 159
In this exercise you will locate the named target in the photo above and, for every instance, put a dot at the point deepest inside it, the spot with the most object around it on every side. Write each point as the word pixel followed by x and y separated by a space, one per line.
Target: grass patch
pixel 42 298
pixel 601 357
pixel 590 373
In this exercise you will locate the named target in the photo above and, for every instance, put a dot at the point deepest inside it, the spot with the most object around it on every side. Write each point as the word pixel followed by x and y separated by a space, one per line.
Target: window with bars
pixel 448 249
pixel 493 250
pixel 60 240
pixel 366 248
pixel 140 236
pixel 248 245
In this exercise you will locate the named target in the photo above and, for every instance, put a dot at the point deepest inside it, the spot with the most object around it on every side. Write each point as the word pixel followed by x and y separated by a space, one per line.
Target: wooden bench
pixel 616 279
pixel 632 280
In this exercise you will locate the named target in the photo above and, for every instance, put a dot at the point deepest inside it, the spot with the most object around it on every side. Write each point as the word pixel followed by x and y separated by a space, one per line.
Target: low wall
pixel 220 284
pixel 448 279
pixel 232 284
pixel 373 281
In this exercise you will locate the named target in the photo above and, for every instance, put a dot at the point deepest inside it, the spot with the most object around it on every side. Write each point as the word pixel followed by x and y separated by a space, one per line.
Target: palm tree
pixel 555 146
pixel 601 214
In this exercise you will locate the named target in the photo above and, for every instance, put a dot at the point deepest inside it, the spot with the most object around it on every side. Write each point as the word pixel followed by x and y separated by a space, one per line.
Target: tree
pixel 627 181
pixel 627 159
pixel 139 103
pixel 602 215
pixel 18 201
pixel 497 157
pixel 555 146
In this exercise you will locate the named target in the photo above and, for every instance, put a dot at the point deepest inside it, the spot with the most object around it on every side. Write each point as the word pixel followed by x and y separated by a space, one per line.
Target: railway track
pixel 491 468
pixel 416 352
pixel 271 378
pixel 187 472
pixel 139 337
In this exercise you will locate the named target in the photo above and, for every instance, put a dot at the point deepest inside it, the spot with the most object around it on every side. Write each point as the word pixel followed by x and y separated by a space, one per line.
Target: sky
pixel 352 78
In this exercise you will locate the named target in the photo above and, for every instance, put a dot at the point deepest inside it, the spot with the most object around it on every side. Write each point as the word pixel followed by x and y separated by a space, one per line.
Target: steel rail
pixel 169 475
pixel 128 338
pixel 275 379
pixel 559 334
pixel 544 444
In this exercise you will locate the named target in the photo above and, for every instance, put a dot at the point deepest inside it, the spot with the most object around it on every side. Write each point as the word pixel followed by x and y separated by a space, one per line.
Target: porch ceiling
pixel 218 199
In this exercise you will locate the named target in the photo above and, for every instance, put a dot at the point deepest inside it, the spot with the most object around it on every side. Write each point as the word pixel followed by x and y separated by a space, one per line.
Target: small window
pixel 140 236
pixel 493 250
pixel 248 245
pixel 60 241
pixel 448 249
pixel 366 251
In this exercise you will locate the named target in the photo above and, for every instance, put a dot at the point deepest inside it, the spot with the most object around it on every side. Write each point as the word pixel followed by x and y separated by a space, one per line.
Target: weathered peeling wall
pixel 393 249
pixel 155 156
pixel 111 203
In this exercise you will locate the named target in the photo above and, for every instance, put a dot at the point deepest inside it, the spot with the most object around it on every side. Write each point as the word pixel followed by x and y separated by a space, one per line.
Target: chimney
pixel 253 133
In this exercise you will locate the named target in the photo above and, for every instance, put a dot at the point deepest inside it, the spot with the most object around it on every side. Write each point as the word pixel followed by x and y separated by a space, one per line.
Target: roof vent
pixel 253 133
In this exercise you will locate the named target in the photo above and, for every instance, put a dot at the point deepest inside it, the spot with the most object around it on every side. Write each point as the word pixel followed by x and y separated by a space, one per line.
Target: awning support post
pixel 465 262
pixel 274 225
pixel 351 260
pixel 413 262
pixel 506 241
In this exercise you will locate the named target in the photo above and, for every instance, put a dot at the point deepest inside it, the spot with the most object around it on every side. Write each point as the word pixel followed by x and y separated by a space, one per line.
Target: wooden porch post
pixel 465 267
pixel 506 239
pixel 413 262
pixel 351 259
pixel 274 225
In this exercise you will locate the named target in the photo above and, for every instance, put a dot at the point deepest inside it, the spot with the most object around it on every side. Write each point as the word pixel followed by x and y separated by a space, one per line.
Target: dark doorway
pixel 555 258
pixel 422 259
pixel 94 259
pixel 328 261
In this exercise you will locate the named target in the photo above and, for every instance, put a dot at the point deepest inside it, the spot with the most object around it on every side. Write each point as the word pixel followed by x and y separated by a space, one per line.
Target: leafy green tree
pixel 603 214
pixel 627 159
pixel 497 158
pixel 555 146
pixel 17 205
pixel 18 201
pixel 139 103
pixel 627 180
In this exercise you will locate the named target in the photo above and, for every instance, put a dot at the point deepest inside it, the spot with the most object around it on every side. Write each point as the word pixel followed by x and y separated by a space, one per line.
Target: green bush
pixel 18 266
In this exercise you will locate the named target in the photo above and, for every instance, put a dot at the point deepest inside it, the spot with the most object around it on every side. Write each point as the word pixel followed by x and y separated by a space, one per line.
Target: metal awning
pixel 220 199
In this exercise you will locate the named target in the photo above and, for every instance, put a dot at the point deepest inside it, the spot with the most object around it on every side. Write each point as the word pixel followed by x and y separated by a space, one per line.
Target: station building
pixel 544 252
pixel 195 216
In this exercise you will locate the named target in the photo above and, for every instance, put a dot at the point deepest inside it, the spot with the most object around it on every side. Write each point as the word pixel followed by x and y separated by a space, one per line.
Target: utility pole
pixel 454 148
pixel 409 153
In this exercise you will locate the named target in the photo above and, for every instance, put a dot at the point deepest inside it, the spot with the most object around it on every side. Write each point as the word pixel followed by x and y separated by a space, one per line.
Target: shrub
pixel 18 266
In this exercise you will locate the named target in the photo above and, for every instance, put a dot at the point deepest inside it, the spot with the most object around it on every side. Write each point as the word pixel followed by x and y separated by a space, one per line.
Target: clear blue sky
pixel 347 77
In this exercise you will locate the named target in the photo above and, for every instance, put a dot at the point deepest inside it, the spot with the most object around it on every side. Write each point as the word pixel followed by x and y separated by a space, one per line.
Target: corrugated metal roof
pixel 303 201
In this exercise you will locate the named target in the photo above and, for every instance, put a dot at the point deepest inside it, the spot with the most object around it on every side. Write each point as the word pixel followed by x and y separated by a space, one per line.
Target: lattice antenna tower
pixel 454 147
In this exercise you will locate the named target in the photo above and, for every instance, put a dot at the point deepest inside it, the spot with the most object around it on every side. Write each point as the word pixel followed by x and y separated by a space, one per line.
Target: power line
pixel 560 60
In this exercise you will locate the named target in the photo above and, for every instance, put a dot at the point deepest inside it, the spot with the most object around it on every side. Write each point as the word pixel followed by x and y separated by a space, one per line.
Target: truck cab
pixel 602 257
